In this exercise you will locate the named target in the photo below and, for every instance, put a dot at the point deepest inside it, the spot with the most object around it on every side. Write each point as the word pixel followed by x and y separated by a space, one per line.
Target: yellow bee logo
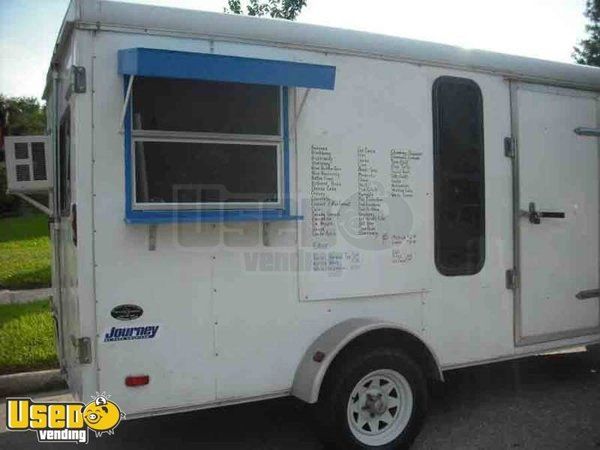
pixel 102 415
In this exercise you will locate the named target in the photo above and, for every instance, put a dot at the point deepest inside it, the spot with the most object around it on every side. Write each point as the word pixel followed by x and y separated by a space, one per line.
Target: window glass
pixel 23 173
pixel 205 106
pixel 64 137
pixel 458 176
pixel 192 172
pixel 173 166
pixel 38 156
pixel 21 150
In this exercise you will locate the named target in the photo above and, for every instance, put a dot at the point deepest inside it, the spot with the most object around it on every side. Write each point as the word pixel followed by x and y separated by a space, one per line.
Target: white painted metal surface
pixel 462 314
pixel 70 286
pixel 559 173
pixel 126 17
pixel 230 299
pixel 366 217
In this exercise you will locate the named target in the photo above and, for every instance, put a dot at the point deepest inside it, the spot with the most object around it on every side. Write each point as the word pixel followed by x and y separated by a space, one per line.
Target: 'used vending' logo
pixel 63 422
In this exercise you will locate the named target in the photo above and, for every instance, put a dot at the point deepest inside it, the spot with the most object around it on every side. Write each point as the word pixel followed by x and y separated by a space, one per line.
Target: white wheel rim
pixel 380 407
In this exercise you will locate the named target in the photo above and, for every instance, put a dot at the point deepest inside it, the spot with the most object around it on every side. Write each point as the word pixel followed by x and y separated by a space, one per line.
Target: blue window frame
pixel 221 69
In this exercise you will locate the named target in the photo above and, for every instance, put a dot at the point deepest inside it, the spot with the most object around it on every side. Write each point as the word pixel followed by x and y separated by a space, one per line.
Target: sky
pixel 547 29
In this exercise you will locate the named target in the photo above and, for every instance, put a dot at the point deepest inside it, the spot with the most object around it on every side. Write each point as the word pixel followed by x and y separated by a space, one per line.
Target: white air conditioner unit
pixel 28 163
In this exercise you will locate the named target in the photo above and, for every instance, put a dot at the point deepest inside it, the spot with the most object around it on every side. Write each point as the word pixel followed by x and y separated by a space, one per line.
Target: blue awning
pixel 150 62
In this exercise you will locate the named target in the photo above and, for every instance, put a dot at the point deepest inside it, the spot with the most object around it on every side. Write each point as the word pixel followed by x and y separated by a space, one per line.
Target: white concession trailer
pixel 247 208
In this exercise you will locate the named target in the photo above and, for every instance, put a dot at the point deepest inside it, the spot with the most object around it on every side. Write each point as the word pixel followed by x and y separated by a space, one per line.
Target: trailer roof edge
pixel 64 33
pixel 131 17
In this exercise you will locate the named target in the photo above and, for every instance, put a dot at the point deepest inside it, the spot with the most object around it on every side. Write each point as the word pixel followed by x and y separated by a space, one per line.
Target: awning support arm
pixel 304 97
pixel 126 103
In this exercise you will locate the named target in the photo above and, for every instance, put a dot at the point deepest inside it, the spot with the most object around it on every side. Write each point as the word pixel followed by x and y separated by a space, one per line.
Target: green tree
pixel 588 50
pixel 22 115
pixel 18 116
pixel 279 9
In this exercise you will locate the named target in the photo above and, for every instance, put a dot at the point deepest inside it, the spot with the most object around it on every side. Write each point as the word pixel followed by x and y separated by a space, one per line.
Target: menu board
pixel 364 228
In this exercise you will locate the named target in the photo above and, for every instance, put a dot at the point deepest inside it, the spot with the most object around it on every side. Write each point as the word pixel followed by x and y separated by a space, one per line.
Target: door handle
pixel 535 216
pixel 584 295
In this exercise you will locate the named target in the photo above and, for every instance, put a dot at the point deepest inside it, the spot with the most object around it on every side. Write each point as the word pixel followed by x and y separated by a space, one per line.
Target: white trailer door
pixel 557 186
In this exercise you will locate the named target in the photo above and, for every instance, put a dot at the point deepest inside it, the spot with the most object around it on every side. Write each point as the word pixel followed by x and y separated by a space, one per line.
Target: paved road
pixel 549 402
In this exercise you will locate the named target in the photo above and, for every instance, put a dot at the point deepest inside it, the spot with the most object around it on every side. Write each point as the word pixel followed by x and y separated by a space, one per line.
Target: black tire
pixel 332 409
pixel 593 352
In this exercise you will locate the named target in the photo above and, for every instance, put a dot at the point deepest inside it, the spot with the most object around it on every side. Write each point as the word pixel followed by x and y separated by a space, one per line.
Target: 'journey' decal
pixel 131 333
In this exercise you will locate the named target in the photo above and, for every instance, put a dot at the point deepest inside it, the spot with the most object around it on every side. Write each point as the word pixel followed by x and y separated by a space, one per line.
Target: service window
pixel 206 145
pixel 459 185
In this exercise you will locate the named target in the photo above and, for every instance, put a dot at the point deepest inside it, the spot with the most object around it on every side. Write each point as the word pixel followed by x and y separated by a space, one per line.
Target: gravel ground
pixel 546 402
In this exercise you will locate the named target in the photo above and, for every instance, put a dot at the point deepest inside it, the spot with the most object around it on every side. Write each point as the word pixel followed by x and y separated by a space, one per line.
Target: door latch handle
pixel 535 216
pixel 584 295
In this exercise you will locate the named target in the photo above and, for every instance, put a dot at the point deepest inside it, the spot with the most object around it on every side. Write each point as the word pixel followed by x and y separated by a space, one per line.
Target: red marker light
pixel 318 356
pixel 137 380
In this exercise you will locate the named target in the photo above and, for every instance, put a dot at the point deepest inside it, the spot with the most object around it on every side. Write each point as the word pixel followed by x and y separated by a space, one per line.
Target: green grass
pixel 26 337
pixel 24 252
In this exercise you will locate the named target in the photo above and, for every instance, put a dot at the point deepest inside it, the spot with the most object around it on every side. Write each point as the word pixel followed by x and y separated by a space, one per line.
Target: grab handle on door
pixel 536 216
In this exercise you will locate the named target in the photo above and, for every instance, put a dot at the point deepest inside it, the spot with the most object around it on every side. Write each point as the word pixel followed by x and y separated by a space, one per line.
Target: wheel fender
pixel 310 372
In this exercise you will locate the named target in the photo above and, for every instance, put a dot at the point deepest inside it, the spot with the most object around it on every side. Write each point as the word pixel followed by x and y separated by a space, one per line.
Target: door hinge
pixel 84 349
pixel 510 146
pixel 511 279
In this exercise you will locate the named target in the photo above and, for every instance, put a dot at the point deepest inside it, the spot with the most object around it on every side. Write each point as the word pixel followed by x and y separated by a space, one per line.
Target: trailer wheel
pixel 376 398
pixel 594 352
